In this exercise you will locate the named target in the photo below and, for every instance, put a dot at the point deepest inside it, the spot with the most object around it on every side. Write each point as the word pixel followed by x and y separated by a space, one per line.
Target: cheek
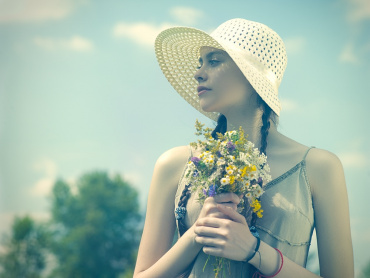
pixel 233 80
pixel 236 87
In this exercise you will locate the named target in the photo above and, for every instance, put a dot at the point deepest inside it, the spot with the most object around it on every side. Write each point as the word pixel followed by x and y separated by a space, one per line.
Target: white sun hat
pixel 257 50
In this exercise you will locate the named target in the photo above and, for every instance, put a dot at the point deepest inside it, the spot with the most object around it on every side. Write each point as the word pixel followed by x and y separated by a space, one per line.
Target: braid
pixel 182 203
pixel 267 114
pixel 265 127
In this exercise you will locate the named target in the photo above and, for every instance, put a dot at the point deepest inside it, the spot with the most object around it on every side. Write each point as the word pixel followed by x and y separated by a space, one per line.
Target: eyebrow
pixel 210 54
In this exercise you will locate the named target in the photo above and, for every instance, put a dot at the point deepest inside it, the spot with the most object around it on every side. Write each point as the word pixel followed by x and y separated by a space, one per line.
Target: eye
pixel 213 62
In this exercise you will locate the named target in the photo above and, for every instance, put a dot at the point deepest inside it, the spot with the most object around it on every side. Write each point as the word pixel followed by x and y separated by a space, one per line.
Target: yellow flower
pixel 256 205
pixel 232 179
pixel 244 171
pixel 259 214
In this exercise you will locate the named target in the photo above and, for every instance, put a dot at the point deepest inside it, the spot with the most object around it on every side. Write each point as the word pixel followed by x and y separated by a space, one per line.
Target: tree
pixel 25 250
pixel 95 230
pixel 366 271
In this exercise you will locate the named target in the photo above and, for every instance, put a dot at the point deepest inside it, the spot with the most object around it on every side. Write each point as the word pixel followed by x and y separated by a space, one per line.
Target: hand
pixel 225 237
pixel 210 209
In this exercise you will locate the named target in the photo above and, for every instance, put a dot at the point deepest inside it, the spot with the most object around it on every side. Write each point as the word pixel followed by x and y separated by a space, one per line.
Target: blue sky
pixel 80 89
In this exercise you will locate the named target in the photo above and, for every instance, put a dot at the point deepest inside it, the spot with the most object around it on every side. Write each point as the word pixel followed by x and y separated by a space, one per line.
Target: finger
pixel 205 231
pixel 232 214
pixel 209 222
pixel 209 241
pixel 227 197
pixel 231 205
pixel 212 250
pixel 218 215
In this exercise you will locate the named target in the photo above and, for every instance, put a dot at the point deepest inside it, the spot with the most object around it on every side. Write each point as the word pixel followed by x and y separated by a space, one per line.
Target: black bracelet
pixel 255 250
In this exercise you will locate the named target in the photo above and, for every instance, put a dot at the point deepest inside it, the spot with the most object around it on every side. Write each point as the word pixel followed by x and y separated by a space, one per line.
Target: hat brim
pixel 177 51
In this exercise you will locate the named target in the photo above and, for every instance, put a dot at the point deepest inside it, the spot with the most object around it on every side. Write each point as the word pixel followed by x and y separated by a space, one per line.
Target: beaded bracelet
pixel 258 274
pixel 255 250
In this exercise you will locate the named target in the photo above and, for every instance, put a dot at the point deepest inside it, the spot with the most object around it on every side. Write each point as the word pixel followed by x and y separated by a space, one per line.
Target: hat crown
pixel 262 46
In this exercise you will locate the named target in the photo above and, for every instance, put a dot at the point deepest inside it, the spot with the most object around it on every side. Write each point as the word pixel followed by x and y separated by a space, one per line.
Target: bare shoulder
pixel 324 170
pixel 173 158
pixel 320 161
pixel 171 163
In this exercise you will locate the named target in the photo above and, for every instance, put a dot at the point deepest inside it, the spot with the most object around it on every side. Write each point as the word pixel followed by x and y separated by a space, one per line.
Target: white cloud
pixel 186 15
pixel 288 105
pixel 348 54
pixel 295 45
pixel 134 178
pixel 140 32
pixel 43 186
pixel 358 14
pixel 46 165
pixel 359 10
pixel 75 43
pixel 353 159
pixel 36 10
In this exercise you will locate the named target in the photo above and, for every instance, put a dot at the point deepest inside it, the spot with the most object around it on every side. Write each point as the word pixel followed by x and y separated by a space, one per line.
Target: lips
pixel 201 90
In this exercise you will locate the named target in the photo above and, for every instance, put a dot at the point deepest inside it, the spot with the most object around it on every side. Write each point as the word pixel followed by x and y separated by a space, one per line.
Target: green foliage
pixel 95 230
pixel 366 271
pixel 25 249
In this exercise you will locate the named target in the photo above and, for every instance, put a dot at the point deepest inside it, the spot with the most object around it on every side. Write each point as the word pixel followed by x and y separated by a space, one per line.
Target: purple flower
pixel 196 173
pixel 231 146
pixel 212 190
pixel 195 160
pixel 260 181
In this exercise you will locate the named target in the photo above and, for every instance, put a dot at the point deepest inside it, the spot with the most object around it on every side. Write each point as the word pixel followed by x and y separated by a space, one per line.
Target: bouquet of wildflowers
pixel 229 164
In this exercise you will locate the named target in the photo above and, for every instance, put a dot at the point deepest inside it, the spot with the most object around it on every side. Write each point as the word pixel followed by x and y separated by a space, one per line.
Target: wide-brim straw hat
pixel 257 50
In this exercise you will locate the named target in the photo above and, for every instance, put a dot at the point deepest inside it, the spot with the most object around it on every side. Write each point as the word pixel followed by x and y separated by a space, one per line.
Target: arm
pixel 330 199
pixel 156 258
pixel 232 238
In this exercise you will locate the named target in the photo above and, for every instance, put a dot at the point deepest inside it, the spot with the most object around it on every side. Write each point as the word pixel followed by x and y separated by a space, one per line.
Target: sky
pixel 81 90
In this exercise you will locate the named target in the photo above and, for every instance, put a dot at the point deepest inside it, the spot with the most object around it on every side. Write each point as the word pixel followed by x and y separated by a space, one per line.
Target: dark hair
pixel 221 126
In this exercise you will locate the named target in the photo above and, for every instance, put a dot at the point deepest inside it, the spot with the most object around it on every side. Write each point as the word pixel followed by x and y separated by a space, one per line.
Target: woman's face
pixel 226 86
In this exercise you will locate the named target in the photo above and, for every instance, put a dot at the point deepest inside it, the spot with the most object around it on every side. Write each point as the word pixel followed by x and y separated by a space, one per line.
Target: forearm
pixel 176 260
pixel 268 261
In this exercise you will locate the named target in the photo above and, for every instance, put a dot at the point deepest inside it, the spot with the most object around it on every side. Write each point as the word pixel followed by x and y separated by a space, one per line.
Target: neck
pixel 251 122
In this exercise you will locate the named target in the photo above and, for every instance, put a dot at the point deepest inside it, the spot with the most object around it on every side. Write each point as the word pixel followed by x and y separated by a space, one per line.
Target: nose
pixel 200 75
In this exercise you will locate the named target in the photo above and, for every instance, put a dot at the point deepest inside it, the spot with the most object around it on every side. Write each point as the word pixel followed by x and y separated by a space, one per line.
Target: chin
pixel 208 107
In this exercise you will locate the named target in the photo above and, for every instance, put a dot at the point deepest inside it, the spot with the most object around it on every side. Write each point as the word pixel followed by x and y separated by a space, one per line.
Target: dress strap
pixel 306 153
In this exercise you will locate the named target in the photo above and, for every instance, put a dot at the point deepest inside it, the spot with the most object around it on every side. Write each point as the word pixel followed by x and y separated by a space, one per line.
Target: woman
pixel 233 76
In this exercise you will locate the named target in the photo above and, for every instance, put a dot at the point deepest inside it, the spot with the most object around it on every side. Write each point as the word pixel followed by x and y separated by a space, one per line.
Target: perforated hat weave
pixel 257 50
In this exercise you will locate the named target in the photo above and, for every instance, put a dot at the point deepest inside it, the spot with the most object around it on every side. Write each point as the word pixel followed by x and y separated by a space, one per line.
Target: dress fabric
pixel 287 222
